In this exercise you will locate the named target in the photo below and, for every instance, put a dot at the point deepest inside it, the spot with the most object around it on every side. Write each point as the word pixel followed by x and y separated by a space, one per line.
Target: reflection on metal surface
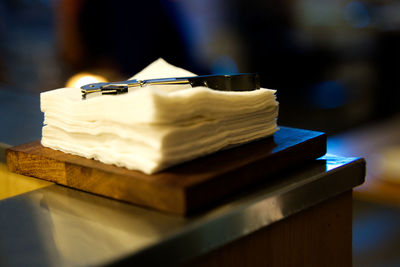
pixel 333 161
pixel 123 231
pixel 12 184
pixel 58 226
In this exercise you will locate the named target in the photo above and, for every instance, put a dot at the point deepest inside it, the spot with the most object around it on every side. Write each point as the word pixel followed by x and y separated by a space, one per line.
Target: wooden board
pixel 180 189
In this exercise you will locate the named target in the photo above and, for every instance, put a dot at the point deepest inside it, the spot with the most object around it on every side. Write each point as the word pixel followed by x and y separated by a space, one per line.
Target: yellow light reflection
pixel 12 184
pixel 83 78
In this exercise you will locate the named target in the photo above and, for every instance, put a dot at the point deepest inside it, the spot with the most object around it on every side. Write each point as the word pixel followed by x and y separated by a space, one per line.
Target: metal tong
pixel 234 82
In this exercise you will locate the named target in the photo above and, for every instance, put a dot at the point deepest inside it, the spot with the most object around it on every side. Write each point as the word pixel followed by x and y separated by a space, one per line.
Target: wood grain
pixel 180 189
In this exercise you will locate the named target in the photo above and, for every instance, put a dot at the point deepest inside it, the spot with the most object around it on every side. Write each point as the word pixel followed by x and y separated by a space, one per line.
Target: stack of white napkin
pixel 154 127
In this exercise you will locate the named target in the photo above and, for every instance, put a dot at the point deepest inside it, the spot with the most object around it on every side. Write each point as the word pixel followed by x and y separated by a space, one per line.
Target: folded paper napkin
pixel 154 127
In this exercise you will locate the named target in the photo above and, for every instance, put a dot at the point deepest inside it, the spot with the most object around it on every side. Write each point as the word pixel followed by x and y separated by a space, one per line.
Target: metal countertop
pixel 58 226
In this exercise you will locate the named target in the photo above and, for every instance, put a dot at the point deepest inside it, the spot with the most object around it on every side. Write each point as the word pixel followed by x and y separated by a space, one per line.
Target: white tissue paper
pixel 154 127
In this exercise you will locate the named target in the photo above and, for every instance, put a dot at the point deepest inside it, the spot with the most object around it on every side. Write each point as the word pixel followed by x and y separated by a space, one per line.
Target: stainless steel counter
pixel 58 226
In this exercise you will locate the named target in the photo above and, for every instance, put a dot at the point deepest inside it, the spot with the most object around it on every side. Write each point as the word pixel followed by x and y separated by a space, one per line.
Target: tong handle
pixel 114 88
pixel 236 82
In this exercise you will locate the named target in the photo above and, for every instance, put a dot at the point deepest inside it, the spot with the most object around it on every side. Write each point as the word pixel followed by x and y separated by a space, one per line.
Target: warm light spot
pixel 84 78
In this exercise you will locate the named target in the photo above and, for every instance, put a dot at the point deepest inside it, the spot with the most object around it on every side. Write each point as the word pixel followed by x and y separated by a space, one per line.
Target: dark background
pixel 334 63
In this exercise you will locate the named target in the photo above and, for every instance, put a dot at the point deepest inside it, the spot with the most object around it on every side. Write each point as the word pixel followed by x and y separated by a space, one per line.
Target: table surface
pixel 52 225
pixel 58 226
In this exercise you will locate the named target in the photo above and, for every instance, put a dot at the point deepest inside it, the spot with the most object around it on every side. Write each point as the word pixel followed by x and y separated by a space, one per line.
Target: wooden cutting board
pixel 181 189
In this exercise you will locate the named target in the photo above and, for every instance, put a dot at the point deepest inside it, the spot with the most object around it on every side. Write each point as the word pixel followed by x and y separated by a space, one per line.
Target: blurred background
pixel 335 64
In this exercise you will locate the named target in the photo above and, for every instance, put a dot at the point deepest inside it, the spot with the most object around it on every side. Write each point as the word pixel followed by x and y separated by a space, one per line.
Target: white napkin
pixel 155 127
